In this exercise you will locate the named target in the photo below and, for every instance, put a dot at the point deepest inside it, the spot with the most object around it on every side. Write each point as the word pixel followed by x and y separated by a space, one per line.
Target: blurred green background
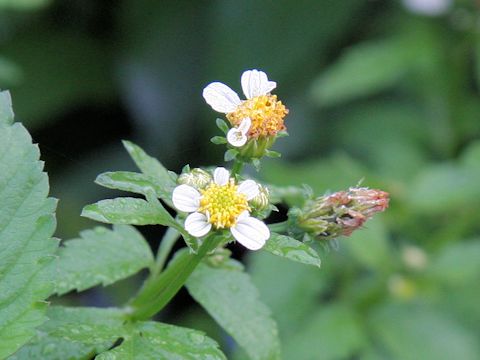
pixel 384 91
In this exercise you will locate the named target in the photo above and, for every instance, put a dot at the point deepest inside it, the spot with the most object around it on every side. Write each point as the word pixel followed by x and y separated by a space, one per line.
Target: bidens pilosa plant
pixel 214 207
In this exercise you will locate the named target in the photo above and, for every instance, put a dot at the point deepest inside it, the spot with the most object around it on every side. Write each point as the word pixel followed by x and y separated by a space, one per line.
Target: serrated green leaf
pixel 218 140
pixel 299 292
pixel 6 110
pixel 419 332
pixel 100 257
pixel 222 125
pixel 125 211
pixel 151 167
pixel 232 300
pixel 292 249
pixel 27 223
pixel 74 333
pixel 230 155
pixel 133 182
pixel 153 340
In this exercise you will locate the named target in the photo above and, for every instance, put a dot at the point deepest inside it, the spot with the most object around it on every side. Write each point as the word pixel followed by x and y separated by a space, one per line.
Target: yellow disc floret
pixel 266 113
pixel 223 203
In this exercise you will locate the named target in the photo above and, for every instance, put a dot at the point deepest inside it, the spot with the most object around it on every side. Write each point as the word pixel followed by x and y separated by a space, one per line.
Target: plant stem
pixel 166 245
pixel 159 290
pixel 279 227
pixel 237 167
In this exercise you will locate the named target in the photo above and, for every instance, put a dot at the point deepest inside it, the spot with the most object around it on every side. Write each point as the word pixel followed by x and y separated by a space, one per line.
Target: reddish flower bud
pixel 341 213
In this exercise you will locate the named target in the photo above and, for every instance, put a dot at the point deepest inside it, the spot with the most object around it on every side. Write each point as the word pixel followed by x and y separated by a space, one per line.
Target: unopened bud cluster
pixel 262 200
pixel 197 178
pixel 341 213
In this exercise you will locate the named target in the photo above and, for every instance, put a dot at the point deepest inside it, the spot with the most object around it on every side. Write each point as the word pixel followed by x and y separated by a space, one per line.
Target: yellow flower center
pixel 266 113
pixel 223 203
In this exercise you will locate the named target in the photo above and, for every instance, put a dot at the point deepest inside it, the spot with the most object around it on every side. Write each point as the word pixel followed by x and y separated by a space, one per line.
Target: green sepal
pixel 218 140
pixel 222 125
pixel 230 155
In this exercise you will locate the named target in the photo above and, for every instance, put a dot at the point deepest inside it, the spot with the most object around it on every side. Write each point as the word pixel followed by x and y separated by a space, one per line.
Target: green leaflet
pixel 229 296
pixel 152 168
pixel 100 256
pixel 152 340
pixel 73 333
pixel 289 248
pixel 126 211
pixel 133 182
pixel 27 223
pixel 81 333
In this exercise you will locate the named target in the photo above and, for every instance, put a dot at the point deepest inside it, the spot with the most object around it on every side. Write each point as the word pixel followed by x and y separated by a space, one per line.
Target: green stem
pixel 166 245
pixel 279 227
pixel 159 290
pixel 237 167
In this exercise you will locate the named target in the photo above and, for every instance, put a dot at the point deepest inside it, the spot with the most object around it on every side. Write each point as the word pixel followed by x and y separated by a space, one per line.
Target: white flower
pixel 261 114
pixel 223 204
pixel 223 99
pixel 237 136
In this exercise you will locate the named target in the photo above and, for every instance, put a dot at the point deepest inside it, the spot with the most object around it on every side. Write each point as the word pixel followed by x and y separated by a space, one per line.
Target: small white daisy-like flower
pixel 264 112
pixel 222 204
pixel 237 136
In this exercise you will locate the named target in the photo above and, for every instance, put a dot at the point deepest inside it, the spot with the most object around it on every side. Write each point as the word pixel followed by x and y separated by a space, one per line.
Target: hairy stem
pixel 237 167
pixel 280 227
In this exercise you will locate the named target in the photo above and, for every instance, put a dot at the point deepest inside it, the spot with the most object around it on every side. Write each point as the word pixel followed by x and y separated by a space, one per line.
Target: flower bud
pixel 256 148
pixel 341 213
pixel 262 200
pixel 197 178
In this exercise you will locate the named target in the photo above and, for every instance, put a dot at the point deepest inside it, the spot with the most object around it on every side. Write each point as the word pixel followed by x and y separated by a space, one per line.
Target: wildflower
pixel 342 212
pixel 222 205
pixel 238 136
pixel 259 116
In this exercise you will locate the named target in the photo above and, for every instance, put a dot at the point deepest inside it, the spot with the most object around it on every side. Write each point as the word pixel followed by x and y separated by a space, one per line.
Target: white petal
pixel 245 125
pixel 249 188
pixel 197 224
pixel 221 176
pixel 255 83
pixel 186 198
pixel 236 138
pixel 221 98
pixel 250 232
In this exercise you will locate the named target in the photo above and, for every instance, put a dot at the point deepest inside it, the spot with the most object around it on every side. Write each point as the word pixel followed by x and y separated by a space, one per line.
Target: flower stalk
pixel 159 290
